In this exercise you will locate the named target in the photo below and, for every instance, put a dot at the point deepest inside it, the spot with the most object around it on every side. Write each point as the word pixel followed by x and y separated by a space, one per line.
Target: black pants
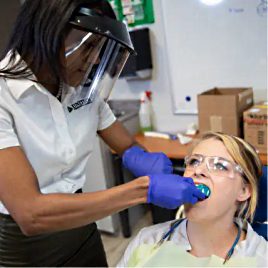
pixel 79 247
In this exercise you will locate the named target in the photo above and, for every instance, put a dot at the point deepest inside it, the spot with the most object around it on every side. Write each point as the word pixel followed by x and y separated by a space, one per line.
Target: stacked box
pixel 221 109
pixel 255 126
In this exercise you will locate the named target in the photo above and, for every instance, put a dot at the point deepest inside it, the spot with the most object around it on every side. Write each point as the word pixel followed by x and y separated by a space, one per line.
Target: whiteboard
pixel 224 45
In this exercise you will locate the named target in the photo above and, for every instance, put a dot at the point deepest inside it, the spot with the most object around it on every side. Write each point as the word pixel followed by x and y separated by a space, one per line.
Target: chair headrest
pixel 261 210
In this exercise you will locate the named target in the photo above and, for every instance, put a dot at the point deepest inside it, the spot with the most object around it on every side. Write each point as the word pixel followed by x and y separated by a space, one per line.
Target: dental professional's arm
pixel 38 213
pixel 117 137
pixel 134 156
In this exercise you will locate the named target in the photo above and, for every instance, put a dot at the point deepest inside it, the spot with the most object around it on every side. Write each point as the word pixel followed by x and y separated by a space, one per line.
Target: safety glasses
pixel 217 166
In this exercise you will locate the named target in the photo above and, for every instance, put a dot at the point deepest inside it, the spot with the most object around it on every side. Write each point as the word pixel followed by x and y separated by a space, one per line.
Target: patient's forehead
pixel 212 147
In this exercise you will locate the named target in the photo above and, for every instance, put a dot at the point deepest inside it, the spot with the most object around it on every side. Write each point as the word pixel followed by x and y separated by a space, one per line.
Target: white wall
pixel 159 85
pixel 224 45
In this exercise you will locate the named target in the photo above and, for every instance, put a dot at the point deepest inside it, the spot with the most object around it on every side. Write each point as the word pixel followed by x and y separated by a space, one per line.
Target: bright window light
pixel 211 2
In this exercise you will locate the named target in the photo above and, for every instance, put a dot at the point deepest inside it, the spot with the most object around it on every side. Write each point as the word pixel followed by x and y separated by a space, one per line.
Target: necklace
pixel 59 94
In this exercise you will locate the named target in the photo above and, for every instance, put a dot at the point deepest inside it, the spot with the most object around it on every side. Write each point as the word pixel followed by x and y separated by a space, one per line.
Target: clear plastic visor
pixel 92 63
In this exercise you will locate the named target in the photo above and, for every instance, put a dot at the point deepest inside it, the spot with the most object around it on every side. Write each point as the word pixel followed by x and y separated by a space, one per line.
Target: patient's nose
pixel 201 171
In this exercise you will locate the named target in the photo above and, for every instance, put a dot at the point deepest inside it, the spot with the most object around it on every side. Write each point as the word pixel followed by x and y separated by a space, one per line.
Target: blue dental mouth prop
pixel 204 189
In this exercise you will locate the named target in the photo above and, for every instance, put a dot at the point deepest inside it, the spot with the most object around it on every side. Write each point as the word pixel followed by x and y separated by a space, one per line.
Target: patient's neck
pixel 215 237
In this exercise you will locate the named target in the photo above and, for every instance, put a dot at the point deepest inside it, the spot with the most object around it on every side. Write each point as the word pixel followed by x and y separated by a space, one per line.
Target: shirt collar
pixel 182 237
pixel 19 86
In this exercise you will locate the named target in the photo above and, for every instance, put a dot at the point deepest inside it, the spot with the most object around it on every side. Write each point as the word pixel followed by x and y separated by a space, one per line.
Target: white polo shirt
pixel 57 140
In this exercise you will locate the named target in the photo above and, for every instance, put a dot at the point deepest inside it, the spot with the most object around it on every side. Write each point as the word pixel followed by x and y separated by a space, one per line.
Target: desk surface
pixel 172 148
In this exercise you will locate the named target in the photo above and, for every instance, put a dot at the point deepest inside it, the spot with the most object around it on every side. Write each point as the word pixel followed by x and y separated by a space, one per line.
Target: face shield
pixel 96 50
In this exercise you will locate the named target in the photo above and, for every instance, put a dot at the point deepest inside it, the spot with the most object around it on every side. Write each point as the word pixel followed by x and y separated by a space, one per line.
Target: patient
pixel 216 231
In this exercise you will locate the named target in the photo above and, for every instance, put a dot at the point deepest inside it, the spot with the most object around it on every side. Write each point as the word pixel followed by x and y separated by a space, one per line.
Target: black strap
pixel 231 250
pixel 168 234
pixel 173 226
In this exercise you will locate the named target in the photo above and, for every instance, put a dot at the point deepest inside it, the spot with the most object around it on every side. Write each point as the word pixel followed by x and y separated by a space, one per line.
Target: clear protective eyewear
pixel 217 166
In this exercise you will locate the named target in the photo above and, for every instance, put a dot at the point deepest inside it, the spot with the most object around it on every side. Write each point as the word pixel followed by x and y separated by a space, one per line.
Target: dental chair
pixel 260 223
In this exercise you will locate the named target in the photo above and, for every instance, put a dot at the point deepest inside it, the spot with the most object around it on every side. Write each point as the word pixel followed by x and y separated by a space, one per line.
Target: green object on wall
pixel 134 12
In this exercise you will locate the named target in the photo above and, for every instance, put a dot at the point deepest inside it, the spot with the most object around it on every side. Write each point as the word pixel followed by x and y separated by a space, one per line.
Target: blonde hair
pixel 247 158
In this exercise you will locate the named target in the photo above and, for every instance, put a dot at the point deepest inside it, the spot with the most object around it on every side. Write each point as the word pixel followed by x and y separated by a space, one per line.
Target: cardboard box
pixel 221 109
pixel 255 126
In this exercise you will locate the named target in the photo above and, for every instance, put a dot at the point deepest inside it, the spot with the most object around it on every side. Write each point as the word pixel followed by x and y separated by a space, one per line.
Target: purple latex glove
pixel 171 191
pixel 142 163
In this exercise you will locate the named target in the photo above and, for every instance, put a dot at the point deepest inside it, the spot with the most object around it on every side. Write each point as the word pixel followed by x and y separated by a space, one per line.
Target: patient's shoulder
pixel 254 245
pixel 152 234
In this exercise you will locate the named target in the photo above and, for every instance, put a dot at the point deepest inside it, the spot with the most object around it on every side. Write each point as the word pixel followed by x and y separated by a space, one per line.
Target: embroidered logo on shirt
pixel 78 104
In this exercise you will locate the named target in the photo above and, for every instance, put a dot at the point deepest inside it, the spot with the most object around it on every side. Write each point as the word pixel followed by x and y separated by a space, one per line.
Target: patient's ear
pixel 245 192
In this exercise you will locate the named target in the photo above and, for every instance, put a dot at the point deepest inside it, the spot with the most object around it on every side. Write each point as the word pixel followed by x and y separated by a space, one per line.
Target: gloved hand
pixel 142 163
pixel 171 191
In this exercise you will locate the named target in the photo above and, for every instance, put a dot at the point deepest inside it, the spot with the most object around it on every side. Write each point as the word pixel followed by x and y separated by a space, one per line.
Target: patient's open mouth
pixel 203 188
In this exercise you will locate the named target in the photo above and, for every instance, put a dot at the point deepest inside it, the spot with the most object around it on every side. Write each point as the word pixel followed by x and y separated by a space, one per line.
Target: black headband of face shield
pixel 82 11
pixel 98 7
pixel 92 21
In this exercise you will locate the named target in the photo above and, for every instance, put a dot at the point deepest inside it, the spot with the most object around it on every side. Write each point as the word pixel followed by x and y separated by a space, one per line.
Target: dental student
pixel 59 67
